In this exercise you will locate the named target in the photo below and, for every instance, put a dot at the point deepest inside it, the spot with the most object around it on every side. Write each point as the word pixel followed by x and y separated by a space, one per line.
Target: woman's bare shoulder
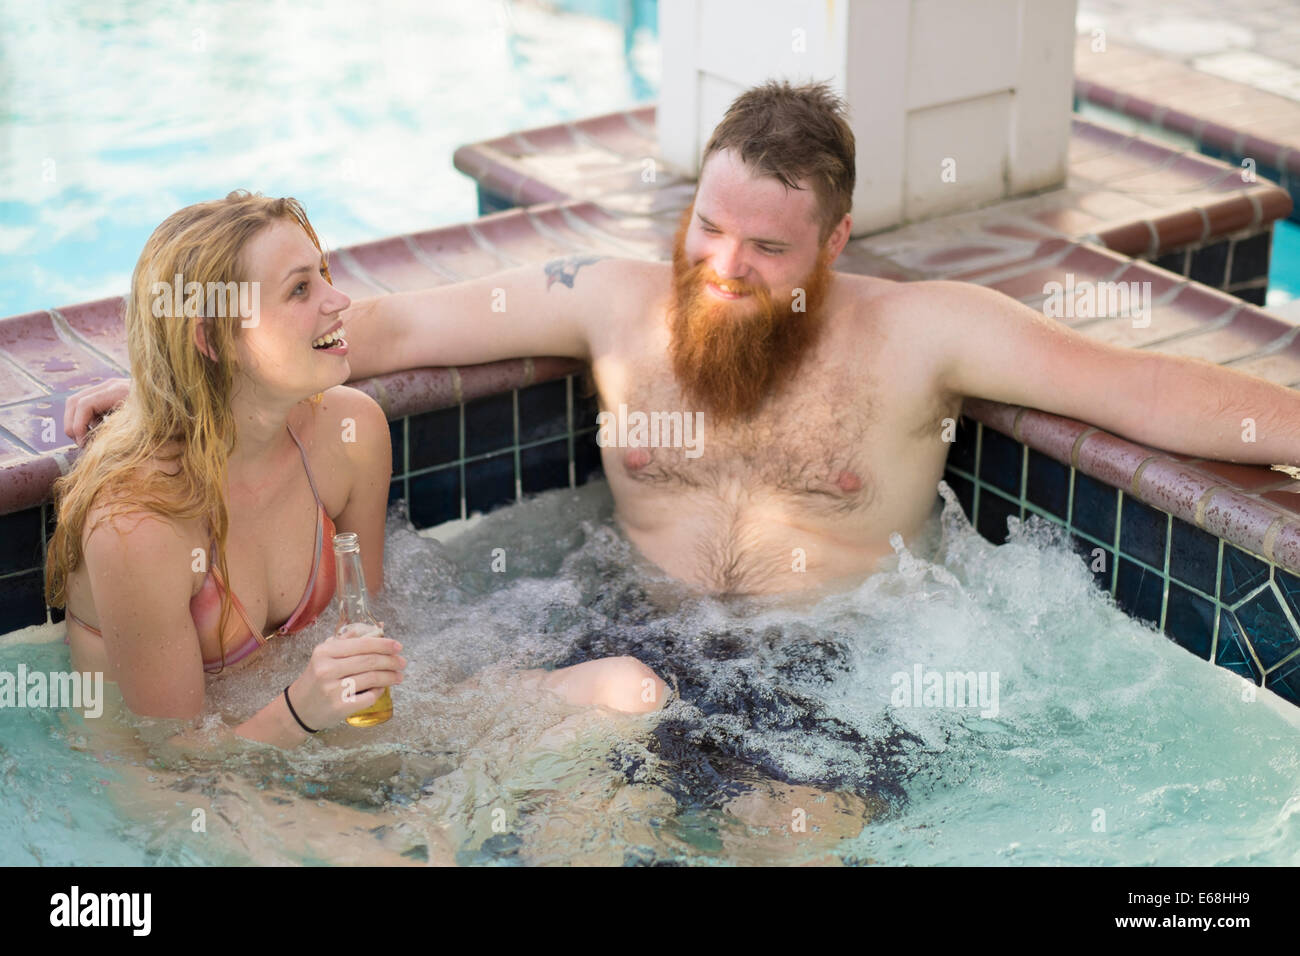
pixel 118 512
pixel 347 438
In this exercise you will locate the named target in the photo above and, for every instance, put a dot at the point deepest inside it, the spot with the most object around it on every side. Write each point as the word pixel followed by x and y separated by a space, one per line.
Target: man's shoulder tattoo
pixel 566 270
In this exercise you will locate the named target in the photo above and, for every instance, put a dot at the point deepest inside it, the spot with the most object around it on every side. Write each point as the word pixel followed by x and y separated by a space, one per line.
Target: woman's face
pixel 297 307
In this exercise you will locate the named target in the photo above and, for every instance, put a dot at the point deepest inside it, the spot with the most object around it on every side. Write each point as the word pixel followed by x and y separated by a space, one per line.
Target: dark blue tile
pixel 585 408
pixel 1285 681
pixel 1193 556
pixel 1095 504
pixel 962 453
pixel 586 457
pixel 435 497
pixel 1172 261
pixel 1000 461
pixel 434 438
pixel 490 202
pixel 543 411
pixel 490 483
pixel 544 466
pixel 1189 620
pixel 1250 257
pixel 1142 532
pixel 1048 484
pixel 397 435
pixel 1267 628
pixel 1242 573
pixel 1232 652
pixel 1210 264
pixel 396 490
pixel 1255 296
pixel 20 540
pixel 22 601
pixel 1099 561
pixel 1211 150
pixel 1264 171
pixel 489 424
pixel 993 513
pixel 965 492
pixel 1288 585
pixel 1138 591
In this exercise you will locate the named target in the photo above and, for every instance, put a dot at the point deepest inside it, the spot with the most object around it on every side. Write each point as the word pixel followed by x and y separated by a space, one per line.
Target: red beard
pixel 728 356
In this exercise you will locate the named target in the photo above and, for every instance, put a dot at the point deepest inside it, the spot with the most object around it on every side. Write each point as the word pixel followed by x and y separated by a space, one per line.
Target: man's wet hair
pixel 794 134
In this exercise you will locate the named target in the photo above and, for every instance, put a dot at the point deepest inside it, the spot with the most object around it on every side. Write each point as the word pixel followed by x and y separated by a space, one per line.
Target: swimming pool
pixel 1284 267
pixel 1088 738
pixel 114 121
pixel 1088 741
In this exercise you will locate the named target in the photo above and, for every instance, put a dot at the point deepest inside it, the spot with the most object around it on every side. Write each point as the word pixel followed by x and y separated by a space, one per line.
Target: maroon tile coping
pixel 455 250
pixel 394 264
pixel 101 325
pixel 38 424
pixel 33 344
pixel 16 385
pixel 1211 109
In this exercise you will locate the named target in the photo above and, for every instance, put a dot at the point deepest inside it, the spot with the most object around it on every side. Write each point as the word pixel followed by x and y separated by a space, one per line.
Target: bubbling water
pixel 989 701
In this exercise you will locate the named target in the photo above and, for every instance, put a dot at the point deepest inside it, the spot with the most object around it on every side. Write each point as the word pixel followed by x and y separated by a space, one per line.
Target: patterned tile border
pixel 1233 606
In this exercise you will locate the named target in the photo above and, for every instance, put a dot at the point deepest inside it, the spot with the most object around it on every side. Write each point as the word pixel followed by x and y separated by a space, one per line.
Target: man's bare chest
pixel 811 442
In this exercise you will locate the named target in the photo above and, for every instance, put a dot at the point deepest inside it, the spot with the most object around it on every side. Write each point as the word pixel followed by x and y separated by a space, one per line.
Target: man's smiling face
pixel 751 229
pixel 750 274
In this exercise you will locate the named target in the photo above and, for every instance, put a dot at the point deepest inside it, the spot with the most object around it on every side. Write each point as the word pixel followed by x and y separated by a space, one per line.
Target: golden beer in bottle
pixel 354 608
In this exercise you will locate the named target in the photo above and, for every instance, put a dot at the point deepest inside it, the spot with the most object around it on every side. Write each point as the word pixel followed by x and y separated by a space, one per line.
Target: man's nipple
pixel 636 459
pixel 849 482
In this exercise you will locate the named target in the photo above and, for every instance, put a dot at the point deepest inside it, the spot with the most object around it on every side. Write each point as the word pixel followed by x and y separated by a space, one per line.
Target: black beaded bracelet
pixel 295 713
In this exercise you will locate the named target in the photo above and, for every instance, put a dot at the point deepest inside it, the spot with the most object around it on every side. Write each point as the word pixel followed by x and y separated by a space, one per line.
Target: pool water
pixel 1099 740
pixel 116 118
pixel 1284 263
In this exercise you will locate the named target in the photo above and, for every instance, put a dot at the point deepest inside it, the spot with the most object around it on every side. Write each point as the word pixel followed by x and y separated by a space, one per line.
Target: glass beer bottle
pixel 354 608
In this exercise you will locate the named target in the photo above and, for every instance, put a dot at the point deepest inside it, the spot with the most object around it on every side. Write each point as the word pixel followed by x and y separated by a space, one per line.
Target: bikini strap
pixel 305 465
pixel 320 539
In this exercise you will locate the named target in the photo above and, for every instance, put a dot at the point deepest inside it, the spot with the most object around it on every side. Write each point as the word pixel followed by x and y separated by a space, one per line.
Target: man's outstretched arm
pixel 531 310
pixel 996 348
pixel 551 309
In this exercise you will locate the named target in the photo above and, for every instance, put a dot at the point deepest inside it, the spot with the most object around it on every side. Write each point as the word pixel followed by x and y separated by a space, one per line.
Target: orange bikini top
pixel 205 606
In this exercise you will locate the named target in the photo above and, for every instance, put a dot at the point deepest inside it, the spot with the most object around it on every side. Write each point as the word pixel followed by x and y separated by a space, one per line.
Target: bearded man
pixel 827 400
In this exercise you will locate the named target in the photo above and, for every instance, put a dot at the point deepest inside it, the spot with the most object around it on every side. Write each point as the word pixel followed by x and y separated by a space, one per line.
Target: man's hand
pixel 86 408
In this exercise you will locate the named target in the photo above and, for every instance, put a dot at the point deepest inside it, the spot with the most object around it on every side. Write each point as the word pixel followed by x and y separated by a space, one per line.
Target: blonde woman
pixel 197 524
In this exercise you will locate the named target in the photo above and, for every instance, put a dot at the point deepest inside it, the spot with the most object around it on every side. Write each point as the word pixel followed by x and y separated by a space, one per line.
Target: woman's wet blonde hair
pixel 178 409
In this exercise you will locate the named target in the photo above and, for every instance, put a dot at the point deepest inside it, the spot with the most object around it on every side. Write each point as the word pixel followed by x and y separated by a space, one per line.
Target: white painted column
pixel 954 103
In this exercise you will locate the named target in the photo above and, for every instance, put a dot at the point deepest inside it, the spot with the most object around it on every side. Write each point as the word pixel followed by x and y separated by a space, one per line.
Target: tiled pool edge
pixel 1222 602
pixel 1160 92
pixel 503 446
pixel 1225 604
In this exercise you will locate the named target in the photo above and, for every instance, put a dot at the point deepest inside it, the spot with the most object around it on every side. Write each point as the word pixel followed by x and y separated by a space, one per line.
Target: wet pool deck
pixel 1132 210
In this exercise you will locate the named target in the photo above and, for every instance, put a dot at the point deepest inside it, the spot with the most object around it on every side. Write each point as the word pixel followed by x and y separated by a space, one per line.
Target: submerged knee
pixel 630 686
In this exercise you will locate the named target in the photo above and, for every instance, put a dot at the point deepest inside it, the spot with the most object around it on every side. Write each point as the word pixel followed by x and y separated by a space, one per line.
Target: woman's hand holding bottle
pixel 348 672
